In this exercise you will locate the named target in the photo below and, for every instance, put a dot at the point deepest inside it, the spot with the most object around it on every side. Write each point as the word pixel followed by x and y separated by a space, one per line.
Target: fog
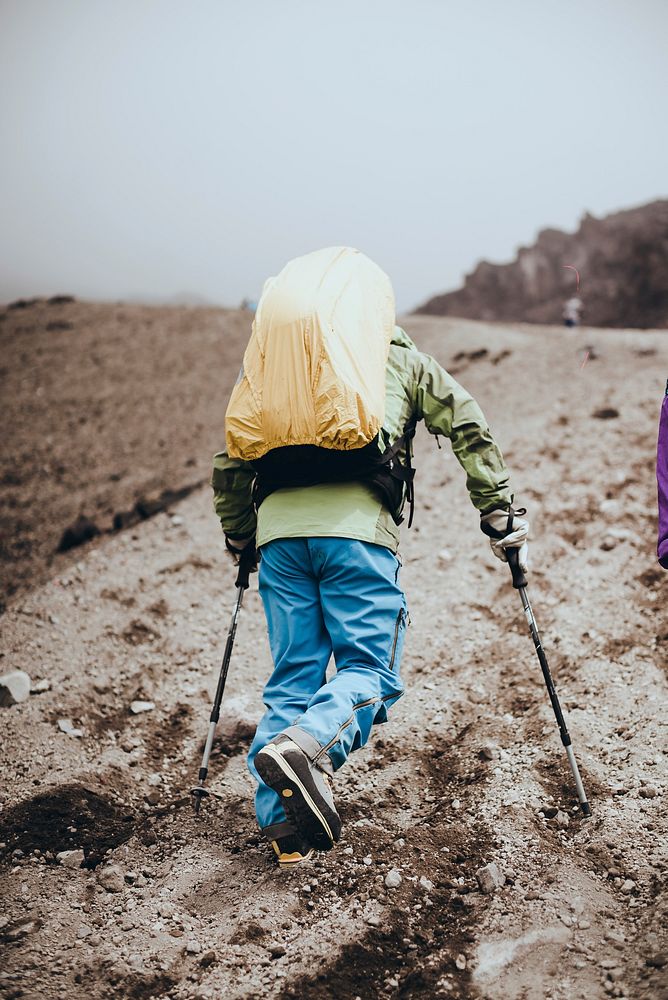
pixel 156 149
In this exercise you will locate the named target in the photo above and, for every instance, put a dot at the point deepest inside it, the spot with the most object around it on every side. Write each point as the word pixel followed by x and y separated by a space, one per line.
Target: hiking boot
pixel 291 850
pixel 305 791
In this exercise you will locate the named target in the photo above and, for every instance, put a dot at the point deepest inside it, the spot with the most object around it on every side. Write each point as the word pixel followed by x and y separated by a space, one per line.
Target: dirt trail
pixel 468 771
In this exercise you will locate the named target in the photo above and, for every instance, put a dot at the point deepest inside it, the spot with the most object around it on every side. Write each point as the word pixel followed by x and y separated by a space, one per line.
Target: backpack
pixel 309 403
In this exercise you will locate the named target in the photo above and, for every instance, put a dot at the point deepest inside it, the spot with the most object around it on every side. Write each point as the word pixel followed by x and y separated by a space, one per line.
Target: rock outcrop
pixel 623 264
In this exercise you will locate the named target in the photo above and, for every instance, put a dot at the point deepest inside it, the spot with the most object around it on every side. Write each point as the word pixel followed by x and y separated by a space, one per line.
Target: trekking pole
pixel 246 561
pixel 520 583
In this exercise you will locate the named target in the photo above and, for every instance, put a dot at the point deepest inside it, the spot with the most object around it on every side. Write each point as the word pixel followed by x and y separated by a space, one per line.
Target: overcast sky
pixel 157 147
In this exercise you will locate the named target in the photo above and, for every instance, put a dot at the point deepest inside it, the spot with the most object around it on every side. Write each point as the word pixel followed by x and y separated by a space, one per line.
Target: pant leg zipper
pixel 348 722
pixel 396 638
pixel 369 701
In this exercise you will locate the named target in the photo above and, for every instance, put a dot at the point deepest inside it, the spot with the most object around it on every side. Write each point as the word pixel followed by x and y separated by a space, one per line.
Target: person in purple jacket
pixel 662 482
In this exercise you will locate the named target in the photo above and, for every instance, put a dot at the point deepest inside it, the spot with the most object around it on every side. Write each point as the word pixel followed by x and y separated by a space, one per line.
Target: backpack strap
pixel 404 473
pixel 307 465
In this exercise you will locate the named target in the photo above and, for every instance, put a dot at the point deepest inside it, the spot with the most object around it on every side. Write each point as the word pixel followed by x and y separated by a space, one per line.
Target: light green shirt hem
pixel 331 510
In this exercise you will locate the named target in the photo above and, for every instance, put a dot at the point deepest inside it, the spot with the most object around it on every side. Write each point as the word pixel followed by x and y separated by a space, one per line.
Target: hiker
pixel 323 414
pixel 572 311
pixel 662 482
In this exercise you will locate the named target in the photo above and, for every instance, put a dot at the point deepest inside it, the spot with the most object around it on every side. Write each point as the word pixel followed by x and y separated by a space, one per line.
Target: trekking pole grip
pixel 247 562
pixel 519 577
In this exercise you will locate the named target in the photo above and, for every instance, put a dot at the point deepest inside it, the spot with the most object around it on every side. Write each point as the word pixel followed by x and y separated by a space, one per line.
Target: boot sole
pixel 294 862
pixel 299 805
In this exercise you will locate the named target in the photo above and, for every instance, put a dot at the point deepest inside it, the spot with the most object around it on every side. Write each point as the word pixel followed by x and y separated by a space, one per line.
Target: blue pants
pixel 325 596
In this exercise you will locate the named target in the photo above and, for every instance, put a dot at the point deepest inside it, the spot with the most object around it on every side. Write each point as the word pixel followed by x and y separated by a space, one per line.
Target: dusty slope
pixel 201 912
pixel 103 405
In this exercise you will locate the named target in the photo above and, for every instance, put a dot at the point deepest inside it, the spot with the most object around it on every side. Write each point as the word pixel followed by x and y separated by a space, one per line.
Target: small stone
pixel 68 727
pixel 628 886
pixel 657 960
pixel 111 878
pixel 609 963
pixel 193 947
pixel 153 797
pixel 549 812
pixel 84 932
pixel 487 752
pixel 207 959
pixel 561 819
pixel 373 920
pixel 368 860
pixel 584 925
pixel 532 894
pixel 445 556
pixel 276 950
pixel 426 884
pixel 648 792
pixel 460 961
pixel 41 686
pixel 137 707
pixel 28 927
pixel 130 743
pixel 490 877
pixel 70 859
pixel 14 688
pixel 393 879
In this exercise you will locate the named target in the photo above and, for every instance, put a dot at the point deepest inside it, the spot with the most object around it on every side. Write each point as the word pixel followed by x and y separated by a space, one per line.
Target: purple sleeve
pixel 662 482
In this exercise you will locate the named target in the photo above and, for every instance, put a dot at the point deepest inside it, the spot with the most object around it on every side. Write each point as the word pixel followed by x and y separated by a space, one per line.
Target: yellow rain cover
pixel 314 367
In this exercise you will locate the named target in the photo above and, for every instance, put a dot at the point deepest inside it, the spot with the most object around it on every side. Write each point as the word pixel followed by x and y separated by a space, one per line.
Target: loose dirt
pixel 110 414
pixel 469 770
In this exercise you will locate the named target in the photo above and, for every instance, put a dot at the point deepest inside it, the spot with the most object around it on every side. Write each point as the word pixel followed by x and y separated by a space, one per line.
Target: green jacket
pixel 415 385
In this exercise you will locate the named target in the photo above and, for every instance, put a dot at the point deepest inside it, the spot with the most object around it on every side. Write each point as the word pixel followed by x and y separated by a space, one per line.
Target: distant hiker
pixel 662 482
pixel 316 473
pixel 572 311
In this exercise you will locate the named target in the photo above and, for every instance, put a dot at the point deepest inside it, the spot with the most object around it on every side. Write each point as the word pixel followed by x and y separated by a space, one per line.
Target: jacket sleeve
pixel 232 482
pixel 448 409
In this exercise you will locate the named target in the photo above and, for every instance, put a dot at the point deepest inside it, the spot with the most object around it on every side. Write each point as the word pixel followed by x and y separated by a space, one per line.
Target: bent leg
pixel 300 648
pixel 364 611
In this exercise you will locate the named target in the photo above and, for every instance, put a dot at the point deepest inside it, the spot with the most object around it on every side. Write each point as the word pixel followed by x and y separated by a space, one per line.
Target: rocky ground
pixel 110 412
pixel 114 888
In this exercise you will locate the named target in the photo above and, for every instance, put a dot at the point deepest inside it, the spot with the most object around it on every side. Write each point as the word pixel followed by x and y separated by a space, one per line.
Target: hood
pixel 401 339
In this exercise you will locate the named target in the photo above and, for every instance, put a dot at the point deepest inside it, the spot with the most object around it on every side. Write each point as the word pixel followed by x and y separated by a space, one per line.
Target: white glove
pixel 497 521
